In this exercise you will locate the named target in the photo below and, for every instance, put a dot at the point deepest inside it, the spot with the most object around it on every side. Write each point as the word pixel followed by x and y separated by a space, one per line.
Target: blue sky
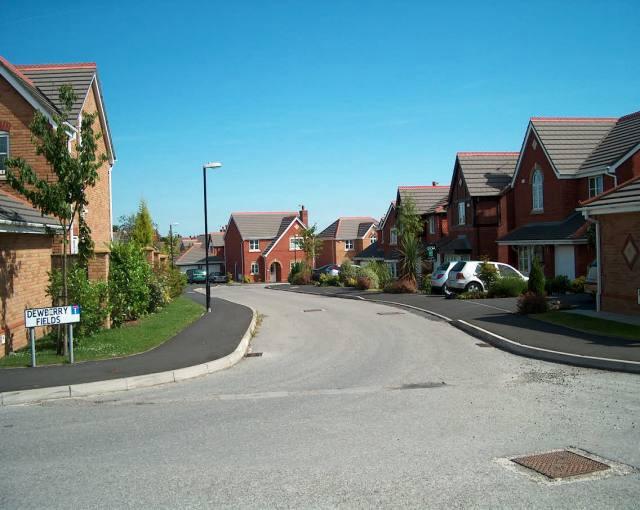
pixel 327 104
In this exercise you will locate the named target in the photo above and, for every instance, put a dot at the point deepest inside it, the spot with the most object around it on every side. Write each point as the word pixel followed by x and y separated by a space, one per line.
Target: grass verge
pixel 591 324
pixel 147 333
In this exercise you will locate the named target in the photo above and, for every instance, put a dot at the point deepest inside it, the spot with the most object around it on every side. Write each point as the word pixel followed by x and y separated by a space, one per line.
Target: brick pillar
pixel 149 253
pixel 98 269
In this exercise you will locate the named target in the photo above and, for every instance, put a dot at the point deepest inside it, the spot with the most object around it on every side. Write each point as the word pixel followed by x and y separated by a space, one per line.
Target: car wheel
pixel 473 287
pixel 445 289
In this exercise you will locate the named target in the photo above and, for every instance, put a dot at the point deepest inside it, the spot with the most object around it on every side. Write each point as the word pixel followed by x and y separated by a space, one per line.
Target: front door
pixel 565 261
pixel 273 272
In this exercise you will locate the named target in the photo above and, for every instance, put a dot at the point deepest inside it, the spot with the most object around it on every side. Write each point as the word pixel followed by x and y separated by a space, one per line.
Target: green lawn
pixel 140 336
pixel 591 324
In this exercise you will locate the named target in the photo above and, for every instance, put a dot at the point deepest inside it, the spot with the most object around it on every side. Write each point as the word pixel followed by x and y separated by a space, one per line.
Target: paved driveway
pixel 346 408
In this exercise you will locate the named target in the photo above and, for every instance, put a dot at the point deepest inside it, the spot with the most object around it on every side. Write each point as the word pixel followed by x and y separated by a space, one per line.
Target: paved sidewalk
pixel 498 317
pixel 211 337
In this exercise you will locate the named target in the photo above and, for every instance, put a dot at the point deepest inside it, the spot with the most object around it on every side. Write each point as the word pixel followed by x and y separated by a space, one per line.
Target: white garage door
pixel 565 261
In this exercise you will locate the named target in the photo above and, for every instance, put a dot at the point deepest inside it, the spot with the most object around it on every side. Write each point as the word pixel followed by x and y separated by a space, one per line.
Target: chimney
pixel 304 216
pixel 434 183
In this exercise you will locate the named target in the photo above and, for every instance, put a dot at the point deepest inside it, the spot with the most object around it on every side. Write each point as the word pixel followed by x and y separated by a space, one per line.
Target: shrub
pixel 401 286
pixel 531 302
pixel 300 274
pixel 488 273
pixel 93 298
pixel 426 284
pixel 246 278
pixel 229 278
pixel 347 271
pixel 158 292
pixel 577 285
pixel 369 274
pixel 507 287
pixel 363 283
pixel 173 279
pixel 129 278
pixel 327 280
pixel 536 278
pixel 382 270
pixel 351 282
pixel 557 285
pixel 472 294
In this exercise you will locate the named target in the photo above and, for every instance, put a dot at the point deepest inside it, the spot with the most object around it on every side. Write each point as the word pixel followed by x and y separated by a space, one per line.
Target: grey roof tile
pixel 348 227
pixel 373 251
pixel 623 137
pixel 571 228
pixel 426 198
pixel 570 141
pixel 21 214
pixel 194 256
pixel 261 225
pixel 487 173
pixel 284 224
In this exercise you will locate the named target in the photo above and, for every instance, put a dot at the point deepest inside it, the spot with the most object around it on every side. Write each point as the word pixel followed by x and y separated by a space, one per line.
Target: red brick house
pixel 264 245
pixel 194 256
pixel 473 205
pixel 563 161
pixel 616 214
pixel 385 249
pixel 346 237
pixel 27 249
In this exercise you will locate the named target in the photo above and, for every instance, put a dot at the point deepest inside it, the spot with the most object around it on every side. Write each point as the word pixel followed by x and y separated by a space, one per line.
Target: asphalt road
pixel 346 408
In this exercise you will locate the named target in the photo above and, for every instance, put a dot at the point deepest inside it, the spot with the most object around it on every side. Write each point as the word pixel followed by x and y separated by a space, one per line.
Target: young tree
pixel 310 244
pixel 536 278
pixel 75 170
pixel 408 220
pixel 143 231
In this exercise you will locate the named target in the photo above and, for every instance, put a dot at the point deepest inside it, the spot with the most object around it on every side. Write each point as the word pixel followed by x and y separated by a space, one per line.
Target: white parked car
pixel 439 277
pixel 464 275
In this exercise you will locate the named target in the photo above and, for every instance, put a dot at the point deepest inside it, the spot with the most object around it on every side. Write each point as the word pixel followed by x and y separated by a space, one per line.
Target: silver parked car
pixel 439 277
pixel 464 275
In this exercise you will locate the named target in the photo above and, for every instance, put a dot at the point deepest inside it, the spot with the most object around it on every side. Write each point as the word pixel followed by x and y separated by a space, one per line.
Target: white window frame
pixel 526 254
pixel 373 239
pixel 255 268
pixel 3 171
pixel 596 185
pixel 393 268
pixel 394 236
pixel 462 213
pixel 432 224
pixel 251 243
pixel 294 243
pixel 537 191
pixel 349 245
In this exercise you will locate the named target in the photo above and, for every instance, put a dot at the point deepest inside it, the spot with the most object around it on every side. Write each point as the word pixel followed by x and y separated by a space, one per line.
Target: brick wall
pixel 283 255
pixel 25 260
pixel 233 250
pixel 630 168
pixel 620 283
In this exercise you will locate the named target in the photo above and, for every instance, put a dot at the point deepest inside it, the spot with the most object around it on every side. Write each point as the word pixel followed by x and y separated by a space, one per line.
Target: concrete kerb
pixel 512 346
pixel 129 383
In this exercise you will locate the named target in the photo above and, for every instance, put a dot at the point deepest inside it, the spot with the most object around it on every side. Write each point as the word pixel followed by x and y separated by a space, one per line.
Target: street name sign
pixel 35 317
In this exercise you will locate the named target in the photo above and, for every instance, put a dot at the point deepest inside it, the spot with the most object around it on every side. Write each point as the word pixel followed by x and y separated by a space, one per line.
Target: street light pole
pixel 206 230
pixel 171 243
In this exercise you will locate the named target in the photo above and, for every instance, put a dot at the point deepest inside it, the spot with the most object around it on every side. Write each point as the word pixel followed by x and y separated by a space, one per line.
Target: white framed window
pixel 537 191
pixel 394 236
pixel 526 254
pixel 254 245
pixel 255 268
pixel 393 269
pixel 462 213
pixel 432 224
pixel 373 239
pixel 4 153
pixel 294 243
pixel 596 185
pixel 348 244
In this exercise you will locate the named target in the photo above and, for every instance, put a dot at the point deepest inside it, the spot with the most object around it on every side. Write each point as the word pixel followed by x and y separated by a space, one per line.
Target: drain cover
pixel 482 344
pixel 560 464
pixel 313 310
pixel 420 386
pixel 390 313
pixel 253 355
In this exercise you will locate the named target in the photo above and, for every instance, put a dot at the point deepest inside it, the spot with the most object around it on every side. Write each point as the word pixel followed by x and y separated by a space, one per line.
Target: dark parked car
pixel 330 269
pixel 196 276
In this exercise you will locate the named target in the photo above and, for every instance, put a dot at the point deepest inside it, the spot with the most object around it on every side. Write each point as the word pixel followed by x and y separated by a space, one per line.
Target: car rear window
pixel 443 267
pixel 459 266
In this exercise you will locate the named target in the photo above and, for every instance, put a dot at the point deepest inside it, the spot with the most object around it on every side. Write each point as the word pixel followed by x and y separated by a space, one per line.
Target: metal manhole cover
pixel 313 310
pixel 560 464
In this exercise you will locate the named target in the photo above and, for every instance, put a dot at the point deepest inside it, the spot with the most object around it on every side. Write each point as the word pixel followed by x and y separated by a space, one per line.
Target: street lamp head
pixel 213 164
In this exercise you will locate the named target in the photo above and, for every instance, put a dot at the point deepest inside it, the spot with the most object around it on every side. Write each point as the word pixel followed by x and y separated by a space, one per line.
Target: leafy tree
pixel 310 244
pixel 75 170
pixel 125 224
pixel 143 231
pixel 536 278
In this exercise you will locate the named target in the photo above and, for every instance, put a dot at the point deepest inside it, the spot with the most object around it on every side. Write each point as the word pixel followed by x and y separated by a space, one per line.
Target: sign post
pixel 52 316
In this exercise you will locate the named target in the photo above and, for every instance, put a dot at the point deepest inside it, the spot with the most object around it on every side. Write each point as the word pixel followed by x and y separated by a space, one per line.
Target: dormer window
pixel 4 153
pixel 537 192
